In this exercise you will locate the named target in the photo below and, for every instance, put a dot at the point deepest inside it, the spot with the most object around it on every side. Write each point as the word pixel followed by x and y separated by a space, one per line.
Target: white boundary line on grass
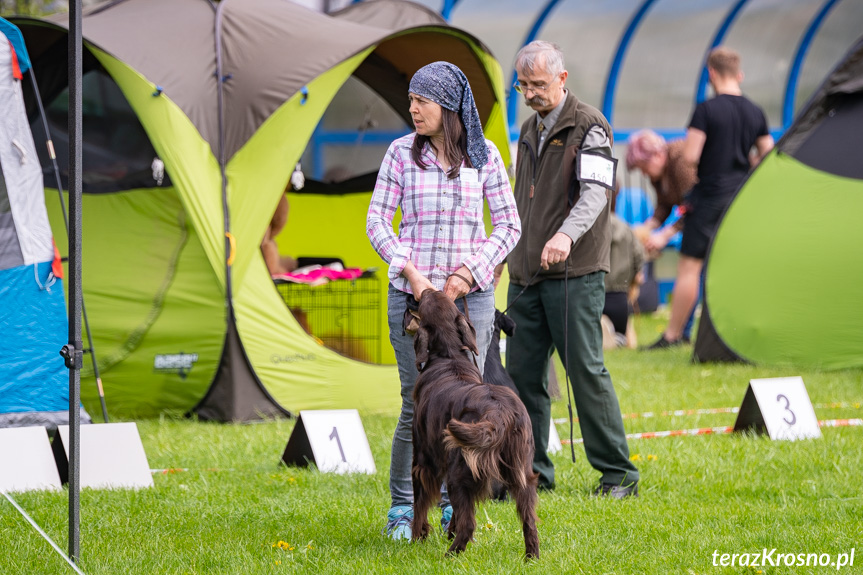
pixel 718 430
pixel 42 533
pixel 710 411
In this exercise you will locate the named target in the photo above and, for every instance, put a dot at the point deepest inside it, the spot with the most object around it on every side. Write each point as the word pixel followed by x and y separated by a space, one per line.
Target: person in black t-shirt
pixel 720 140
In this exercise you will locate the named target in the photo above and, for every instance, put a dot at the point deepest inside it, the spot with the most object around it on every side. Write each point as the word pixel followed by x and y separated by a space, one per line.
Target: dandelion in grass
pixel 289 479
pixel 652 458
pixel 283 545
pixel 489 524
pixel 635 457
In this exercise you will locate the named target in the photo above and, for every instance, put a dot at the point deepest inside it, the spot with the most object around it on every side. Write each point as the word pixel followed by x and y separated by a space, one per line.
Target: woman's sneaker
pixel 446 518
pixel 399 519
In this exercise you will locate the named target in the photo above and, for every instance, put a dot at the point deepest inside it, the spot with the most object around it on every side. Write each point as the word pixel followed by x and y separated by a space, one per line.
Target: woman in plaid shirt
pixel 439 176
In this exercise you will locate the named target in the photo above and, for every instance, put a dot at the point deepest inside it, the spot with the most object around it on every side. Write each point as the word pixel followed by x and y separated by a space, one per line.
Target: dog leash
pixel 467 317
pixel 524 289
pixel 466 312
pixel 565 340
pixel 566 352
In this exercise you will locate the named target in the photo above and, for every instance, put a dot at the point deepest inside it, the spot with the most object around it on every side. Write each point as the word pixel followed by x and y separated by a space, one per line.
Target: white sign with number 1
pixel 782 406
pixel 334 440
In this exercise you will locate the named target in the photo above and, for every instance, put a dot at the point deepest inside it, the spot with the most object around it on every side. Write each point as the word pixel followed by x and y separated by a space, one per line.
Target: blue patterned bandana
pixel 446 85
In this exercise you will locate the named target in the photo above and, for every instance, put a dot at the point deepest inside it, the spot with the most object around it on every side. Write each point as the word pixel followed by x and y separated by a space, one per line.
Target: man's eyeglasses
pixel 535 88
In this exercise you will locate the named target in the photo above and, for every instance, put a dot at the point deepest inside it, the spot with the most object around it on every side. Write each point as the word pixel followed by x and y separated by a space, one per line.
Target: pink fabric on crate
pixel 321 275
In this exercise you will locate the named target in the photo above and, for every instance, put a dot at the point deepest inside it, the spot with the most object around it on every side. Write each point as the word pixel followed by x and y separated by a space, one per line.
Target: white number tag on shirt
pixel 469 175
pixel 596 168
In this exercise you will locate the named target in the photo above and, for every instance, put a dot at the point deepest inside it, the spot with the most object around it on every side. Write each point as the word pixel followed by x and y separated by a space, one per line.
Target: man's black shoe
pixel 662 343
pixel 547 487
pixel 617 491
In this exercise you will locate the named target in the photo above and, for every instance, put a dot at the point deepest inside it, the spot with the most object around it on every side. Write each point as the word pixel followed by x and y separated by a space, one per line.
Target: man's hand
pixel 556 250
pixel 456 287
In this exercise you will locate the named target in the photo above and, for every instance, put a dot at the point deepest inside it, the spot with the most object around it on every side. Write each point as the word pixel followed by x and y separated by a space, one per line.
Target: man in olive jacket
pixel 563 181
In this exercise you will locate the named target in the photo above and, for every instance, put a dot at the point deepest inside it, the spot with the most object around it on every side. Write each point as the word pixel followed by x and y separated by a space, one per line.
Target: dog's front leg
pixel 422 476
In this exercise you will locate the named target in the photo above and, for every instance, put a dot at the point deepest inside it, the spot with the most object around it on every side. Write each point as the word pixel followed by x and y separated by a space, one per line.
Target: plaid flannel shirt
pixel 442 226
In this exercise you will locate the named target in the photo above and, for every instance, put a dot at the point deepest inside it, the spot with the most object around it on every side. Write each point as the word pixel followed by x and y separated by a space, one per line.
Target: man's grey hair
pixel 550 53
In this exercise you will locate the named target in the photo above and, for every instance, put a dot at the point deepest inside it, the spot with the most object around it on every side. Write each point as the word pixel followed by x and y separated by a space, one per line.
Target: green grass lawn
pixel 234 503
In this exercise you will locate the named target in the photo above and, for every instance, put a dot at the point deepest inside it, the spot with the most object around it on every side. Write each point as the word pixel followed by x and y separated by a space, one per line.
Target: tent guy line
pixel 42 533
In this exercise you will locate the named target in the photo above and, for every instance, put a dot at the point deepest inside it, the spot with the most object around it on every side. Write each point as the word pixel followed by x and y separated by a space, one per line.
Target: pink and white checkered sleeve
pixel 387 195
pixel 504 219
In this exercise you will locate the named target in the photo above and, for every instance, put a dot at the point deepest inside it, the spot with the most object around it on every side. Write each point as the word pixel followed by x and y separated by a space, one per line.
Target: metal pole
pixel 49 143
pixel 74 355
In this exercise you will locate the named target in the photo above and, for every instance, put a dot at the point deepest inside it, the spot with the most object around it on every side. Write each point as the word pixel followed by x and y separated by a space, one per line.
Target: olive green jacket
pixel 547 188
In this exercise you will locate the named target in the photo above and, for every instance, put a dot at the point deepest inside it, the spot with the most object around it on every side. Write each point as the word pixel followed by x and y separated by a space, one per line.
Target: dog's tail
pixel 480 444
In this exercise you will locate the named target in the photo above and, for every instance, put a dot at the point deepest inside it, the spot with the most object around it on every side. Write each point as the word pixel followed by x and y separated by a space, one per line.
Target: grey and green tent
pixel 226 96
pixel 785 270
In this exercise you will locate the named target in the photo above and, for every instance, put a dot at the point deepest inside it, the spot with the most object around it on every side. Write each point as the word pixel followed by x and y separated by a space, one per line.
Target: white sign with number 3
pixel 786 408
pixel 338 441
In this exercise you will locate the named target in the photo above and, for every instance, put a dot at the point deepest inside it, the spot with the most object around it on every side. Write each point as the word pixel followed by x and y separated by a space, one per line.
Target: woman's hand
pixel 419 283
pixel 456 287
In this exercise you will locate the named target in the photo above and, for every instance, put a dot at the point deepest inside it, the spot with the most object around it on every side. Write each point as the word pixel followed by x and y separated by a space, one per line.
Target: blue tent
pixel 33 378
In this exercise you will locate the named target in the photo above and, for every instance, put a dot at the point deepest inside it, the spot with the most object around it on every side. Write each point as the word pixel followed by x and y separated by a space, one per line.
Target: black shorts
pixel 617 309
pixel 700 223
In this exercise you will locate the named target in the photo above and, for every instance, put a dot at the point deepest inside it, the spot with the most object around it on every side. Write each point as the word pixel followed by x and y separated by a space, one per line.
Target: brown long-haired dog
pixel 465 432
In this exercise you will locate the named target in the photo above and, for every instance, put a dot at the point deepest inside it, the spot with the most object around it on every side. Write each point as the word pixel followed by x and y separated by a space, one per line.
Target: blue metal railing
pixel 799 57
pixel 619 55
pixel 724 27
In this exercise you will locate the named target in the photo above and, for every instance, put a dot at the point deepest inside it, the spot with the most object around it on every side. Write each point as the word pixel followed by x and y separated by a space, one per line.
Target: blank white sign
pixel 26 460
pixel 554 445
pixel 112 456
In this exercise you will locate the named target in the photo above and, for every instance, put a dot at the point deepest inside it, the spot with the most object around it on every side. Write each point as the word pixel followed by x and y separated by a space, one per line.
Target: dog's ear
pixel 421 347
pixel 467 333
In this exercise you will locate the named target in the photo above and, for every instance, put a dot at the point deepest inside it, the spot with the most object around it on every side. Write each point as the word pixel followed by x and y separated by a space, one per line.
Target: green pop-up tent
pixel 195 114
pixel 785 270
